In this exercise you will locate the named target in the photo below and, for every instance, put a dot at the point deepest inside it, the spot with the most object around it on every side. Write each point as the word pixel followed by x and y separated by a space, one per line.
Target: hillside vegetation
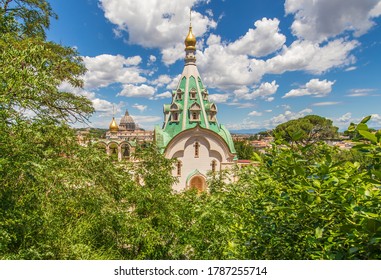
pixel 59 200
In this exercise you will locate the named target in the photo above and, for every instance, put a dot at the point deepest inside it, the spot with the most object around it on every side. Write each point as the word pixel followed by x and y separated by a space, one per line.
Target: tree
pixel 35 142
pixel 29 18
pixel 244 149
pixel 306 130
pixel 33 69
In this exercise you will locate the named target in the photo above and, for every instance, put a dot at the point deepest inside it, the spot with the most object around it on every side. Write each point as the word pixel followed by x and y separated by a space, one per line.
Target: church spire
pixel 190 43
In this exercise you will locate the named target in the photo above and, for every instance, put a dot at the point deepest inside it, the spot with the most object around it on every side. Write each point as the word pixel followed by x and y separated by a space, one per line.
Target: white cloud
pixel 376 117
pixel 171 54
pixel 314 87
pixel 263 91
pixel 106 108
pixel 147 119
pixel 66 87
pixel 224 69
pixel 173 84
pixel 241 105
pixel 270 99
pixel 165 94
pixel 319 20
pixel 375 121
pixel 255 114
pixel 219 98
pixel 285 107
pixel 155 23
pixel 130 90
pixel 162 80
pixel 345 118
pixel 288 115
pixel 270 123
pixel 313 58
pixel 105 69
pixel 152 58
pixel 263 40
pixel 328 103
pixel 351 68
pixel 268 111
pixel 140 107
pixel 360 92
pixel 376 11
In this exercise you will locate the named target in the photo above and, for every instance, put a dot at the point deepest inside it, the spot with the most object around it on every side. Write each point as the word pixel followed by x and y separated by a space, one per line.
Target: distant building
pixel 121 140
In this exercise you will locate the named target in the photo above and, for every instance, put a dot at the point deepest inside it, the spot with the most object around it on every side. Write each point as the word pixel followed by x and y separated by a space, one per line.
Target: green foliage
pixel 306 130
pixel 304 205
pixel 244 150
pixel 30 18
pixel 59 200
pixel 32 70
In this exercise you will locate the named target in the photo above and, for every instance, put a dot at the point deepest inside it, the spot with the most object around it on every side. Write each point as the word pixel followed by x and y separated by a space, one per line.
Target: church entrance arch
pixel 198 182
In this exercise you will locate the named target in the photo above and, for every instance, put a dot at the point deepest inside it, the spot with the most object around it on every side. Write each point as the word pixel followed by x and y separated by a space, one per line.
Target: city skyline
pixel 263 63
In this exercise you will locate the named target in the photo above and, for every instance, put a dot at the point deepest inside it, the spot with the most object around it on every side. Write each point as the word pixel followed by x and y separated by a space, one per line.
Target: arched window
pixel 194 116
pixel 193 93
pixel 178 166
pixel 179 94
pixel 175 117
pixel 196 150
pixel 194 112
pixel 125 151
pixel 205 94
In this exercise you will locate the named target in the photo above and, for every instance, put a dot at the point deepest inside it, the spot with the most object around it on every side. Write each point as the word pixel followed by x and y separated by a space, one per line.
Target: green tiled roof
pixel 190 91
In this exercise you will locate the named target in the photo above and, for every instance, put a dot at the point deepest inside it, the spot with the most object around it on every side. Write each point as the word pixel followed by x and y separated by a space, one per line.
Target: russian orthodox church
pixel 191 133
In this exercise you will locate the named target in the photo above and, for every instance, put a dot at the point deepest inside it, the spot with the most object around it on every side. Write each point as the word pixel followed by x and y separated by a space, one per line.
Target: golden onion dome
pixel 113 126
pixel 190 40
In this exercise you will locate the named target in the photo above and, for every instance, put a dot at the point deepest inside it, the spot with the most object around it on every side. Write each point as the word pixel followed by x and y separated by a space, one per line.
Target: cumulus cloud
pixel 140 107
pixel 66 87
pixel 165 94
pixel 105 69
pixel 155 23
pixel 171 54
pixel 106 108
pixel 162 80
pixel 219 98
pixel 270 99
pixel 345 118
pixel 374 122
pixel 263 40
pixel 319 20
pixel 174 82
pixel 313 58
pixel 152 58
pixel 255 114
pixel 130 90
pixel 224 69
pixel 263 91
pixel 314 87
pixel 288 115
pixel 270 123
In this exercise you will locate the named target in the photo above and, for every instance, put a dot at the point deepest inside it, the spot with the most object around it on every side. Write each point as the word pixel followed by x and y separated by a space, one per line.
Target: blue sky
pixel 264 62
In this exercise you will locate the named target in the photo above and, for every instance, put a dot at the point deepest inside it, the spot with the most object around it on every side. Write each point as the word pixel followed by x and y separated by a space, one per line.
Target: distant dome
pixel 113 126
pixel 127 122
